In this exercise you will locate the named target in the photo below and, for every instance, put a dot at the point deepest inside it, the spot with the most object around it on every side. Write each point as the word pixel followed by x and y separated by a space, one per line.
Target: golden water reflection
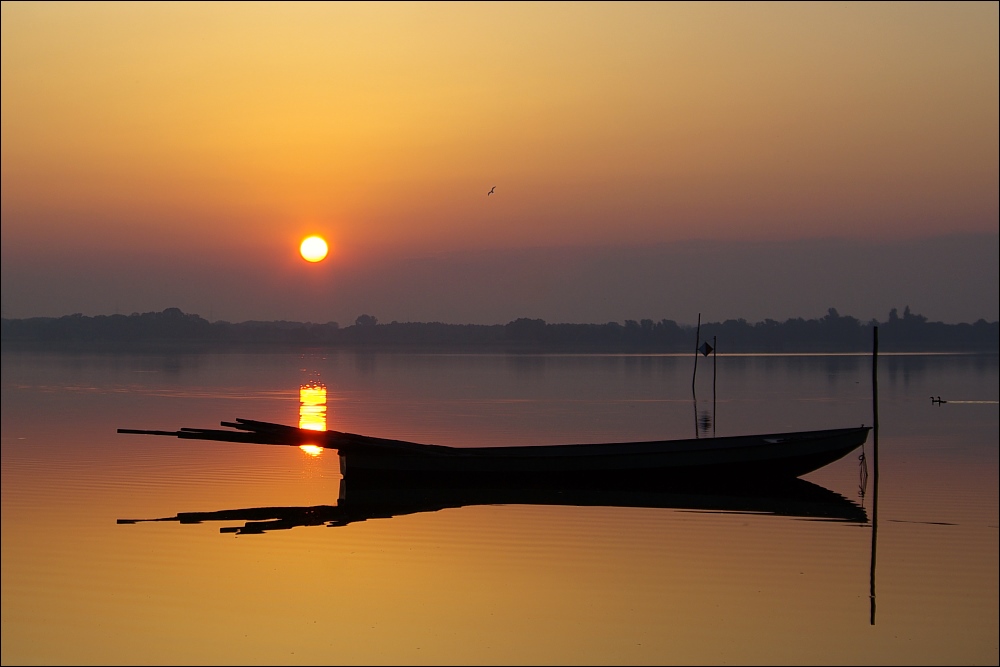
pixel 312 412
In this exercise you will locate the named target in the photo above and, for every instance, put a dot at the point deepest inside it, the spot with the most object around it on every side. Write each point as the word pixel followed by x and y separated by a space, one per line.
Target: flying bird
pixel 491 191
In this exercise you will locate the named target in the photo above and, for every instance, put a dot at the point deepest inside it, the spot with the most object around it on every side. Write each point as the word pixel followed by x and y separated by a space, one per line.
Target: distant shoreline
pixel 175 331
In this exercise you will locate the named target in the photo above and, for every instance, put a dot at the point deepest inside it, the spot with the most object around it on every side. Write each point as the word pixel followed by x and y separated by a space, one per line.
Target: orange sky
pixel 232 130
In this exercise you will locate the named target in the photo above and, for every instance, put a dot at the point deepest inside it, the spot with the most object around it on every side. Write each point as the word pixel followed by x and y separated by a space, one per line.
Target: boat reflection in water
pixel 361 500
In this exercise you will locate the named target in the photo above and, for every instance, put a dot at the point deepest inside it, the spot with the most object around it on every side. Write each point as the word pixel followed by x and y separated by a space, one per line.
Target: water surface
pixel 902 572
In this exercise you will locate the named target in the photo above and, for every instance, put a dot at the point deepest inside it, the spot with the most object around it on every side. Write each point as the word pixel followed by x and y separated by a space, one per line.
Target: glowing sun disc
pixel 313 249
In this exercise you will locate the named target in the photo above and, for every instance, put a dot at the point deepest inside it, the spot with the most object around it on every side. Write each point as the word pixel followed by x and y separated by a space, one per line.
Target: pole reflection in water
pixel 312 411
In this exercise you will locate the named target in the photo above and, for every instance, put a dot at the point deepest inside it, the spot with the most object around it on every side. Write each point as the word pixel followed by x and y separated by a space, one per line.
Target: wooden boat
pixel 763 456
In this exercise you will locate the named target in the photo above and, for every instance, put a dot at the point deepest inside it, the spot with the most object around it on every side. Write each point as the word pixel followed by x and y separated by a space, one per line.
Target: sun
pixel 313 249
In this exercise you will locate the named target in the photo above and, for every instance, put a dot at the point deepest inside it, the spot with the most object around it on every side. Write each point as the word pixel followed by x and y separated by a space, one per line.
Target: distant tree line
pixel 173 328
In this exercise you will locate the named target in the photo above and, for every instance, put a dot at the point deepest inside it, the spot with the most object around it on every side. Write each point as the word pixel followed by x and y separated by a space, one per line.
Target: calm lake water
pixel 895 568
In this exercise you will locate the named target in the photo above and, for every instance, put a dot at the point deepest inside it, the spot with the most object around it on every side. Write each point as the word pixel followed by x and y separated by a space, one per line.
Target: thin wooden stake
pixel 697 340
pixel 871 591
pixel 715 374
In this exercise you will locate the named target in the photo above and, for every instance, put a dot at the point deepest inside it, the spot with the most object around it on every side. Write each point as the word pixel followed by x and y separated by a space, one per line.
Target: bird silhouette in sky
pixel 491 191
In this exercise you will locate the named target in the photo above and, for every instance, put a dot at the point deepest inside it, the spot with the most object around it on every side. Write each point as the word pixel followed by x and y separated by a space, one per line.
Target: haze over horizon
pixel 650 160
pixel 576 285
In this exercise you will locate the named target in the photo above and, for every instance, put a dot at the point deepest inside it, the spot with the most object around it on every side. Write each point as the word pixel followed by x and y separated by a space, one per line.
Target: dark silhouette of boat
pixel 719 459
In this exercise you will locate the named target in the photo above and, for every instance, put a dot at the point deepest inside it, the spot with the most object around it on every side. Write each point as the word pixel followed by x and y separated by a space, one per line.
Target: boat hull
pixel 762 456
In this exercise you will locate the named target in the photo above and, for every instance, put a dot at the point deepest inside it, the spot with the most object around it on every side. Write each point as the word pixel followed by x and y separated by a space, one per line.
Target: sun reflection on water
pixel 312 412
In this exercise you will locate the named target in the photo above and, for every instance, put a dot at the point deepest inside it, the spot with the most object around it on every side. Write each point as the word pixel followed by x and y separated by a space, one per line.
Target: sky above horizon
pixel 650 160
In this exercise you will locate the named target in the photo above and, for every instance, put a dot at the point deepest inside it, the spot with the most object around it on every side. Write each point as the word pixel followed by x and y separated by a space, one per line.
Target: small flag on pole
pixel 705 349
